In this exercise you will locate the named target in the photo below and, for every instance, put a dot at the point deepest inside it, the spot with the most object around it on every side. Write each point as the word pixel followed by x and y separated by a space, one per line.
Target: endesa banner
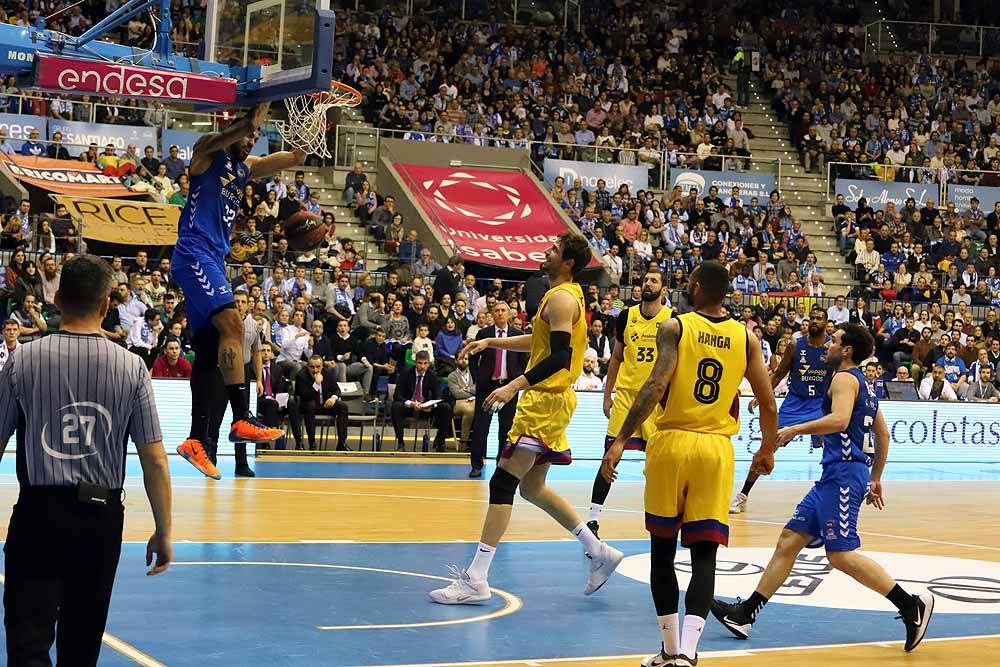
pixel 614 175
pixel 97 77
pixel 919 432
pixel 490 216
pixel 68 177
pixel 879 194
pixel 962 196
pixel 18 127
pixel 751 184
pixel 123 221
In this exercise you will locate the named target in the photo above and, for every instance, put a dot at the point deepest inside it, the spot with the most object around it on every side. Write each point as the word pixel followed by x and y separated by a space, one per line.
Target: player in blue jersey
pixel 220 167
pixel 855 448
pixel 808 380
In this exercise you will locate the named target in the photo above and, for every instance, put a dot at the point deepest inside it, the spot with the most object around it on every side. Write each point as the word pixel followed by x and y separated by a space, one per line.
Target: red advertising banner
pixel 95 77
pixel 65 177
pixel 489 216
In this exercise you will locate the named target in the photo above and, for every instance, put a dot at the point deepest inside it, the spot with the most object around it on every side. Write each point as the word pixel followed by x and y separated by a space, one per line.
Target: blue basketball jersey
pixel 809 377
pixel 212 207
pixel 856 442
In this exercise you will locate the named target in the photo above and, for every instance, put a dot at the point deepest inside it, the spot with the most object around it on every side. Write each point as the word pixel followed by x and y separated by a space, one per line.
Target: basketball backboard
pixel 280 36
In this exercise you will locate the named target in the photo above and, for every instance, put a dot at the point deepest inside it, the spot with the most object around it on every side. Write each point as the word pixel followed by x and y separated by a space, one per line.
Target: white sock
pixel 595 512
pixel 590 543
pixel 693 626
pixel 480 567
pixel 670 628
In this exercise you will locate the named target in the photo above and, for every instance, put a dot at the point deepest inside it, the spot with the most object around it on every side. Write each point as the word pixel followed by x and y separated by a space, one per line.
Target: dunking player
pixel 829 512
pixel 537 437
pixel 631 362
pixel 808 381
pixel 702 357
pixel 220 167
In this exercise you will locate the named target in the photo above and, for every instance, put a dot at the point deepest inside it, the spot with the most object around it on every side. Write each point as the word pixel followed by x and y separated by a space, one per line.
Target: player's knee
pixel 789 541
pixel 840 560
pixel 503 486
pixel 531 493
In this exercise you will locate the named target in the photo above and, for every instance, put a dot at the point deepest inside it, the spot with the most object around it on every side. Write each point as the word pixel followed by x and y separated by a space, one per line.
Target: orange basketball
pixel 305 231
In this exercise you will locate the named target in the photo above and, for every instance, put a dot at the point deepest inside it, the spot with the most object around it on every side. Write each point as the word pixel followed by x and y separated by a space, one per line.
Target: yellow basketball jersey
pixel 639 353
pixel 703 395
pixel 540 330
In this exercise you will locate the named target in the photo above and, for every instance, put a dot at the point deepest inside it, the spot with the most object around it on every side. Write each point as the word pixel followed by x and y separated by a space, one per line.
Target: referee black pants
pixel 61 560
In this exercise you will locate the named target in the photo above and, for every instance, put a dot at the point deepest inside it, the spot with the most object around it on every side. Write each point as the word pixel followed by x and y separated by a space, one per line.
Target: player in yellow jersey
pixel 631 362
pixel 701 358
pixel 537 437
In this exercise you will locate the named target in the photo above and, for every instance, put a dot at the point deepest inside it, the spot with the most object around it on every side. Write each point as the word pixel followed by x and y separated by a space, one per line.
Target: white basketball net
pixel 307 125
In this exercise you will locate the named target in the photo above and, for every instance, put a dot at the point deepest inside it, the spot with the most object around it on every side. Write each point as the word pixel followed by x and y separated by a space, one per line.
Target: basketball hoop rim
pixel 339 95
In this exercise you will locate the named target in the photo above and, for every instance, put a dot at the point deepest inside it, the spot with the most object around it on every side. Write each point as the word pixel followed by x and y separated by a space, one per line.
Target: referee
pixel 253 338
pixel 74 399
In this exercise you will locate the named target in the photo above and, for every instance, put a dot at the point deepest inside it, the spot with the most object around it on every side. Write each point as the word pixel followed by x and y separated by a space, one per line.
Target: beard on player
pixel 816 329
pixel 650 295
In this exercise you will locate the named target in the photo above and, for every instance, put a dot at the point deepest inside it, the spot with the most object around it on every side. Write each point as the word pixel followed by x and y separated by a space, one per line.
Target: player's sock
pixel 590 543
pixel 903 601
pixel 200 406
pixel 595 512
pixel 670 628
pixel 480 568
pixel 754 604
pixel 693 627
pixel 748 484
pixel 238 401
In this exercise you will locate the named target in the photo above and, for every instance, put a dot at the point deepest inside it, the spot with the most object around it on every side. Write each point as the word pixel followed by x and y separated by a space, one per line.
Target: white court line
pixel 584 509
pixel 122 647
pixel 707 654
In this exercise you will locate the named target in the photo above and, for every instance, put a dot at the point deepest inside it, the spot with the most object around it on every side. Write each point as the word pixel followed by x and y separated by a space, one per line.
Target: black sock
pixel 602 487
pixel 701 588
pixel 199 409
pixel 903 601
pixel 238 401
pixel 241 455
pixel 662 576
pixel 747 485
pixel 754 604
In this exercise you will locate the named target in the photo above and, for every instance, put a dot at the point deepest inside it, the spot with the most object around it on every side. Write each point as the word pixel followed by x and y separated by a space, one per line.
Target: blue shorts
pixel 206 288
pixel 830 510
pixel 796 410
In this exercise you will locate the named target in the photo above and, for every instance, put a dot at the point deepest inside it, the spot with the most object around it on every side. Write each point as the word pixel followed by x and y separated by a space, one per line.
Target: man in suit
pixel 276 380
pixel 463 390
pixel 492 369
pixel 448 279
pixel 318 393
pixel 418 385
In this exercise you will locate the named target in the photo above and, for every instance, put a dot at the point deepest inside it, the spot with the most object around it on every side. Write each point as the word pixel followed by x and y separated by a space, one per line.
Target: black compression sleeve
pixel 558 359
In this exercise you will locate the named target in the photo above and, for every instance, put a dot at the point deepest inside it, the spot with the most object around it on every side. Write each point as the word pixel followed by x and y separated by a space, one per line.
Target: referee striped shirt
pixel 253 337
pixel 74 400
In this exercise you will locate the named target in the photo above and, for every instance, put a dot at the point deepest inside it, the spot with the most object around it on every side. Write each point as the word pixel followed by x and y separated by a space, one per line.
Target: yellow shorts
pixel 624 398
pixel 688 480
pixel 540 424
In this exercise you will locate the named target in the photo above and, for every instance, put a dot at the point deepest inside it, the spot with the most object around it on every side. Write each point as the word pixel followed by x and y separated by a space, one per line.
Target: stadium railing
pixel 21 105
pixel 933 38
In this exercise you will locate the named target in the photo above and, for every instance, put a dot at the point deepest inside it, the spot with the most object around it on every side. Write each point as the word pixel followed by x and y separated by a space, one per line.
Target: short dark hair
pixel 820 309
pixel 713 278
pixel 575 247
pixel 422 355
pixel 85 282
pixel 860 340
pixel 455 260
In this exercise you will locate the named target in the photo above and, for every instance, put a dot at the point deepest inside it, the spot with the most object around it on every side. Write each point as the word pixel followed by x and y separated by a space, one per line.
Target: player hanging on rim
pixel 808 381
pixel 220 167
pixel 631 362
pixel 701 359
pixel 538 435
pixel 851 421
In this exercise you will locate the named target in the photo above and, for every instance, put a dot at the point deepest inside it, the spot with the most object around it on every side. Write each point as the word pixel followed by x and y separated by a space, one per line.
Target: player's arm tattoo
pixel 667 337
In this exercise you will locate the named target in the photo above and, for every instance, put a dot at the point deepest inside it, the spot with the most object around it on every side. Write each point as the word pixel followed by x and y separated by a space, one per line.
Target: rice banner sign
pixel 122 221
pixel 751 184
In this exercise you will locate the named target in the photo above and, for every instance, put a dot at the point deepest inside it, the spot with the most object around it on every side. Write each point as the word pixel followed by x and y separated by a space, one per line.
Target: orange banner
pixel 124 221
pixel 67 177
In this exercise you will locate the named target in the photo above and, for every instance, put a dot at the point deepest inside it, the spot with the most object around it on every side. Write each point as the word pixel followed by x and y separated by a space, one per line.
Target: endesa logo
pixel 91 77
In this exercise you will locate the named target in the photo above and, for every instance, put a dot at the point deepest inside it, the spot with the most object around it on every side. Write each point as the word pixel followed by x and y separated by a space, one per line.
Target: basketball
pixel 305 231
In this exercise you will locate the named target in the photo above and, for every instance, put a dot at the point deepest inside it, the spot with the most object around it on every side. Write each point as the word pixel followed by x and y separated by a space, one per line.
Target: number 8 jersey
pixel 703 395
pixel 637 335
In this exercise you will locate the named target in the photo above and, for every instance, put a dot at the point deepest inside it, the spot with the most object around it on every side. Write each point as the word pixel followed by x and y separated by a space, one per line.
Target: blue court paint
pixel 268 615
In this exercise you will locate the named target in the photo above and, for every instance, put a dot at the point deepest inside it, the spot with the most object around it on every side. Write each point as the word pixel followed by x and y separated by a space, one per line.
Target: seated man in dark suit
pixel 418 385
pixel 277 381
pixel 318 393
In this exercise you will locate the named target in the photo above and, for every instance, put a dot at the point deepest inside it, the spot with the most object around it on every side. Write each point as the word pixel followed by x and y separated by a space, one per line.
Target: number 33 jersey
pixel 703 395
pixel 637 335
